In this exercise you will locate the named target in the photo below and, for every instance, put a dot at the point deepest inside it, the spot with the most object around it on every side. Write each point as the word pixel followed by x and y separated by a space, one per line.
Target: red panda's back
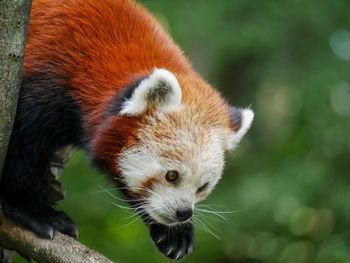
pixel 95 47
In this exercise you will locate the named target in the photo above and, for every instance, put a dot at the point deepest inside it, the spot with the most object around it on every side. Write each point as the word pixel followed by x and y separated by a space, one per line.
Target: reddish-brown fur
pixel 97 47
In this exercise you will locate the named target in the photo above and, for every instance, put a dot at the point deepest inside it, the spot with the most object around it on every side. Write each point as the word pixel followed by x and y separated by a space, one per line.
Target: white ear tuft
pixel 160 89
pixel 245 119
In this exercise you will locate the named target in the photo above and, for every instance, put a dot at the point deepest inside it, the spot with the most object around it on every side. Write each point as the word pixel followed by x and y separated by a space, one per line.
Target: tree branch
pixel 61 249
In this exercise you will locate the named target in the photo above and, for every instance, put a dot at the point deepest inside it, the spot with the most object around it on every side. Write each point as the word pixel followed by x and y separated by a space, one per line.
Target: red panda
pixel 105 76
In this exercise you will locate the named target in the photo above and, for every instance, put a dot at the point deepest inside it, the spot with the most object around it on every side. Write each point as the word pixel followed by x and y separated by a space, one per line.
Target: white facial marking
pixel 138 164
pixel 198 164
pixel 247 116
pixel 161 89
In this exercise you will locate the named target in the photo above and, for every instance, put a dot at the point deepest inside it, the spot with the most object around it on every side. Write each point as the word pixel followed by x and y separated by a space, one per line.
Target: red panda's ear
pixel 241 120
pixel 161 89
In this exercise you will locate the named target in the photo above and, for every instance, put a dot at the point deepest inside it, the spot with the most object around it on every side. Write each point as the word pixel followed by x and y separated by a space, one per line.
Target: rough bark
pixel 13 27
pixel 62 249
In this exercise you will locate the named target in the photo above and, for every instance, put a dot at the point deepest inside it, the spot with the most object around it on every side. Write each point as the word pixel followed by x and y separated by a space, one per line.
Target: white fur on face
pixel 198 165
pixel 161 89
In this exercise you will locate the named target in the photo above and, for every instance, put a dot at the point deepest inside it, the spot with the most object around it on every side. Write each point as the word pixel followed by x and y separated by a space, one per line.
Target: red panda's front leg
pixel 44 222
pixel 47 119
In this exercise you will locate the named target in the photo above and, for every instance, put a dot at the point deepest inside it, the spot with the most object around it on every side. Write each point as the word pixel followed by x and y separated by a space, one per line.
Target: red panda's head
pixel 166 144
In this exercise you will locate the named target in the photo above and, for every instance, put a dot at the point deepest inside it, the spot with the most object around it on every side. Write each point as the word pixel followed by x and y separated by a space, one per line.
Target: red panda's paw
pixel 44 222
pixel 175 242
pixel 61 222
pixel 26 217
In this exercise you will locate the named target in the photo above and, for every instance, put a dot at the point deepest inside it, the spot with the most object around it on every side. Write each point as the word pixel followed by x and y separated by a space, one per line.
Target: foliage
pixel 289 179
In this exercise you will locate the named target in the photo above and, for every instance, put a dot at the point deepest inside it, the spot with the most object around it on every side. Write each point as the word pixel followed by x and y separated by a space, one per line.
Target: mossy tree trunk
pixel 14 16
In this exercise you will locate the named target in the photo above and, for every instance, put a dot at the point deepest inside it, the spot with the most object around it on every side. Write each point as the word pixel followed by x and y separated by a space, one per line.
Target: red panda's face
pixel 179 154
pixel 173 169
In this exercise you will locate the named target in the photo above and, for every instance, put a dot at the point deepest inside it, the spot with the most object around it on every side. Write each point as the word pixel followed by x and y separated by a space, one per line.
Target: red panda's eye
pixel 202 188
pixel 172 176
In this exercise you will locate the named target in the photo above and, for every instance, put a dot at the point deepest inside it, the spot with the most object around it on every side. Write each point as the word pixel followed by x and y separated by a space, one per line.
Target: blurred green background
pixel 289 179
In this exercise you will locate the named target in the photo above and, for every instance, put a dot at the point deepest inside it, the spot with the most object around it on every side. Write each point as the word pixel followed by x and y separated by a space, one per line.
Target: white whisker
pixel 218 219
pixel 207 229
pixel 128 224
pixel 212 212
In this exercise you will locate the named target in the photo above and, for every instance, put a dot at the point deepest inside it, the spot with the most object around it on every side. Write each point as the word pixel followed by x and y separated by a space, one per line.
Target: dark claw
pixel 174 242
pixel 62 223
pixel 40 228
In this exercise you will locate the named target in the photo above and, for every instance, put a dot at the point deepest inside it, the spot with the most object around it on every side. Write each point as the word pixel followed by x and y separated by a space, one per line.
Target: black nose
pixel 184 213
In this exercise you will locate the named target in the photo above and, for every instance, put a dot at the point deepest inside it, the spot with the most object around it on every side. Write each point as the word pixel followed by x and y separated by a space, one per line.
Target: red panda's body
pixel 91 79
pixel 96 48
pixel 99 45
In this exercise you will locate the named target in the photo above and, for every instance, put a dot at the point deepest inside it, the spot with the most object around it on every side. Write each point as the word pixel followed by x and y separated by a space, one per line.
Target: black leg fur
pixel 47 118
